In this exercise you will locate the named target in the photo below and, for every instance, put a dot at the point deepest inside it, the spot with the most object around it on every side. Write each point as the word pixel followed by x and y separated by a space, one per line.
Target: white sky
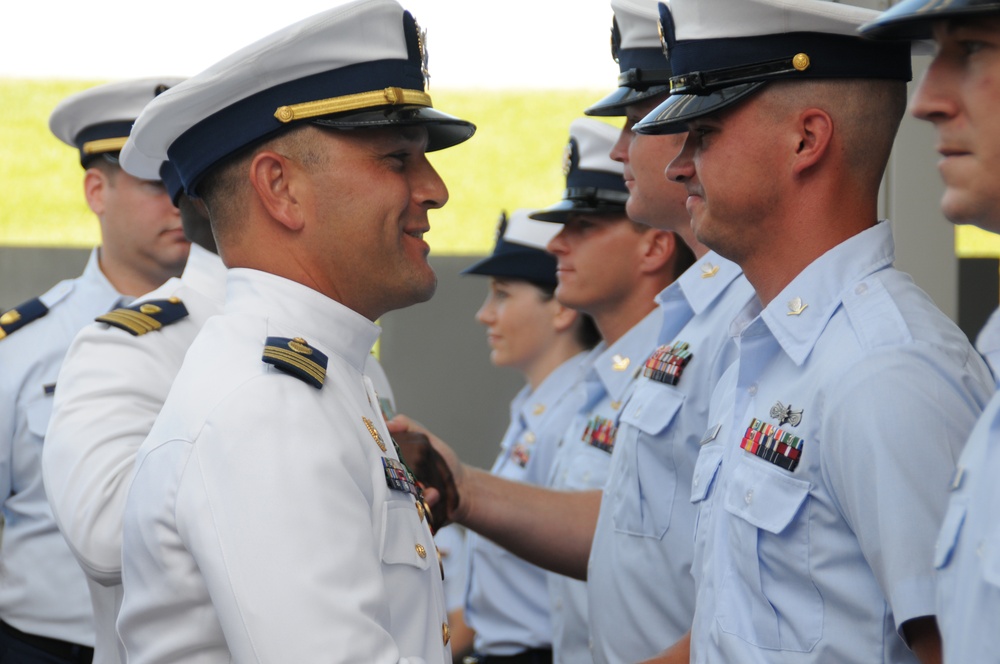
pixel 515 43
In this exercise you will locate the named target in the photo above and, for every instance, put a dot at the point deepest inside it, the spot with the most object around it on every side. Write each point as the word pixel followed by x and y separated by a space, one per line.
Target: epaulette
pixel 13 320
pixel 145 317
pixel 296 357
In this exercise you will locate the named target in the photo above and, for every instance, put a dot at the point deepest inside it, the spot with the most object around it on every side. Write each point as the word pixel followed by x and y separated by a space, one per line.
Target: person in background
pixel 959 96
pixel 45 610
pixel 610 268
pixel 507 603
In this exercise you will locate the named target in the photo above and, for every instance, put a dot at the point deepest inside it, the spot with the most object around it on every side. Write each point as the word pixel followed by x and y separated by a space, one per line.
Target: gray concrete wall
pixel 435 354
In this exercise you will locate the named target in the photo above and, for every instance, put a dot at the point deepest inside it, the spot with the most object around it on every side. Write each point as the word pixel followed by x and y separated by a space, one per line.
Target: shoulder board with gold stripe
pixel 13 320
pixel 296 357
pixel 141 318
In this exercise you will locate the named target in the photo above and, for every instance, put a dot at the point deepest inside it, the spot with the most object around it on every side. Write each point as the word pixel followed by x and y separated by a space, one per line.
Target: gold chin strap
pixel 104 145
pixel 390 96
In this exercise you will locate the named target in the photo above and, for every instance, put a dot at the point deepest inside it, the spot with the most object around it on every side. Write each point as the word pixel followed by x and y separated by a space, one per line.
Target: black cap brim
pixel 443 130
pixel 515 262
pixel 672 116
pixel 561 212
pixel 616 104
pixel 913 19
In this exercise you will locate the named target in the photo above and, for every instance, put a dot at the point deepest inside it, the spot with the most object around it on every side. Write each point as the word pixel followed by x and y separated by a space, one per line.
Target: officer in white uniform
pixel 646 516
pixel 112 384
pixel 958 96
pixel 506 600
pixel 44 606
pixel 823 476
pixel 270 518
pixel 610 268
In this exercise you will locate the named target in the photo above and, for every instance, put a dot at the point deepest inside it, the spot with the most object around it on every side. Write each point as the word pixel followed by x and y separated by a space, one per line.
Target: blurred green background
pixel 514 160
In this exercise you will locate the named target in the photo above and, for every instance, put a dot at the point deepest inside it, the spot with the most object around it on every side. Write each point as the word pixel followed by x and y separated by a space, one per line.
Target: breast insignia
pixel 144 317
pixel 13 320
pixel 296 357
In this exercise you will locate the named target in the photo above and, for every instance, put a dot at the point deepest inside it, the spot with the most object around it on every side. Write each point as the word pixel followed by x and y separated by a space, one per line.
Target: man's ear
pixel 815 127
pixel 658 249
pixel 95 185
pixel 274 178
pixel 564 318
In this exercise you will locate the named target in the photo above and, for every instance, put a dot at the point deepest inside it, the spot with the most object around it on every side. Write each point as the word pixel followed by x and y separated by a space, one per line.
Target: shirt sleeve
pixel 892 433
pixel 110 389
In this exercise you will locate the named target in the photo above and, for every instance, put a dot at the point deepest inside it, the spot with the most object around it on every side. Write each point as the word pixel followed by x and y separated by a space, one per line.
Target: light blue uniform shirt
pixel 507 599
pixel 43 591
pixel 639 579
pixel 582 463
pixel 968 548
pixel 874 391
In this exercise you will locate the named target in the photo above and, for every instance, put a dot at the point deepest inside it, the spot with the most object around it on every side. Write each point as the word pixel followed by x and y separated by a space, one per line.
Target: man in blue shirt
pixel 959 96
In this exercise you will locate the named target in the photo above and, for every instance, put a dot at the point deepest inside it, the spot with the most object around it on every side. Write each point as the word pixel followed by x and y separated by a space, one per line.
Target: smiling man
pixel 960 95
pixel 270 518
pixel 45 612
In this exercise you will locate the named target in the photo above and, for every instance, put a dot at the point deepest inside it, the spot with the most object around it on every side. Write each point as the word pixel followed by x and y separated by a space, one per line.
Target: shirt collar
pixel 293 310
pixel 798 315
pixel 537 405
pixel 205 273
pixel 95 278
pixel 617 365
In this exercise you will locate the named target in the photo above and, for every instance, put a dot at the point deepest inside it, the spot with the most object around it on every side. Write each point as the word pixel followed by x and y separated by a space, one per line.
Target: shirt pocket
pixel 649 480
pixel 405 539
pixel 768 597
pixel 951 530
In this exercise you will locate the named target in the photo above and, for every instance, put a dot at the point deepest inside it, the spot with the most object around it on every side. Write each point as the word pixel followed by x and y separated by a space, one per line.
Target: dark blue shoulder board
pixel 13 320
pixel 139 319
pixel 296 357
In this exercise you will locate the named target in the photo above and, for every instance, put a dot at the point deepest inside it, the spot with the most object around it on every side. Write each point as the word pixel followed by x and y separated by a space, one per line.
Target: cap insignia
pixel 424 55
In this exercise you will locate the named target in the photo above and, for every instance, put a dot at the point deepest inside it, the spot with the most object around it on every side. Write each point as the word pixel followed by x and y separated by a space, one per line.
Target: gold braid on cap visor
pixel 104 145
pixel 390 96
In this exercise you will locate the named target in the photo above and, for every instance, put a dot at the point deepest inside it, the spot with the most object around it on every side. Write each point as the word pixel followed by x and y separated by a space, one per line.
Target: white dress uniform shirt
pixel 261 525
pixel 111 388
pixel 42 589
pixel 823 478
pixel 639 577
pixel 582 463
pixel 967 556
pixel 507 600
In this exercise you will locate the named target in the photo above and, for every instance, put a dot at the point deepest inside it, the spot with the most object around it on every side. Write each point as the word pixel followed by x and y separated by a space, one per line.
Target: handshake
pixel 433 473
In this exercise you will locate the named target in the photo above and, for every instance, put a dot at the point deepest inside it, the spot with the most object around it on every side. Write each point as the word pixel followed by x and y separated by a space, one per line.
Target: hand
pixel 433 472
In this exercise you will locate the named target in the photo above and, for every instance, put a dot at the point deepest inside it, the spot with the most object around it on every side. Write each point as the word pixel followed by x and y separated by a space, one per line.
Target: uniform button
pixel 638 410
pixel 752 389
pixel 586 477
pixel 749 497
pixel 695 483
pixel 421 551
pixel 861 289
pixel 445 633
pixel 420 509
